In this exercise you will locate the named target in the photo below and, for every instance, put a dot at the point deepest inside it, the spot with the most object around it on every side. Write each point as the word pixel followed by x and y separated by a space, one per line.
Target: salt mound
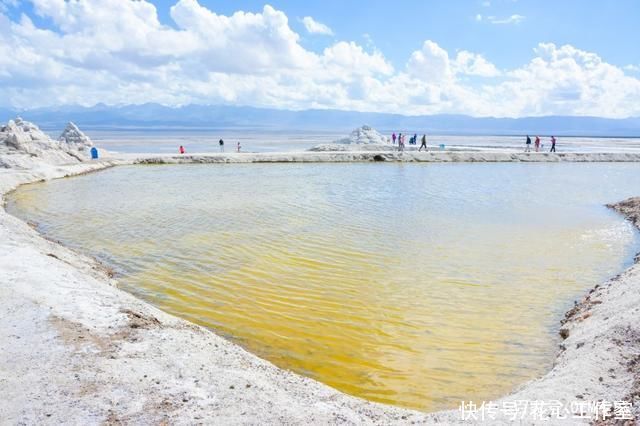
pixel 75 139
pixel 365 135
pixel 25 136
pixel 20 139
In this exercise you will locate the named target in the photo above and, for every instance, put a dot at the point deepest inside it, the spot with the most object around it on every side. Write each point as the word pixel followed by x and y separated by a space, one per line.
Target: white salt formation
pixel 75 139
pixel 365 135
pixel 24 136
pixel 22 142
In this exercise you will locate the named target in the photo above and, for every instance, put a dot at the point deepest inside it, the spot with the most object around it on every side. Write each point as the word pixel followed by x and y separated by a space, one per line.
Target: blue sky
pixel 479 57
pixel 609 28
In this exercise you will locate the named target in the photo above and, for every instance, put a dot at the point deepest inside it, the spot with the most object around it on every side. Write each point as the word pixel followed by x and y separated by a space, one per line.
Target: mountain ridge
pixel 150 115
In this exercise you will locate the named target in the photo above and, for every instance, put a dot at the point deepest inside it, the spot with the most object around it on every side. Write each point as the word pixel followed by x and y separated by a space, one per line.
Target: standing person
pixel 537 143
pixel 553 144
pixel 424 143
pixel 528 146
pixel 399 140
pixel 239 147
pixel 415 139
pixel 393 138
pixel 221 143
pixel 181 149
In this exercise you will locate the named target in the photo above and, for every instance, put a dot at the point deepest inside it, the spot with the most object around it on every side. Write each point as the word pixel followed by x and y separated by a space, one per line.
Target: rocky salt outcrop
pixel 365 135
pixel 25 136
pixel 22 142
pixel 72 138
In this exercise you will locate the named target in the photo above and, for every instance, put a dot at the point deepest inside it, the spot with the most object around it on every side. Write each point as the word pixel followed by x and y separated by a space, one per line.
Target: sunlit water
pixel 418 285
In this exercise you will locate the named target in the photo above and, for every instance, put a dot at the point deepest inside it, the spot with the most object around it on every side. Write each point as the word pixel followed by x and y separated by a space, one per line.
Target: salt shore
pixel 76 349
pixel 390 156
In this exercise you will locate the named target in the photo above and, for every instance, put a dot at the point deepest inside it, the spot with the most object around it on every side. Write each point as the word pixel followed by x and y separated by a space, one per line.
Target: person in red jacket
pixel 181 149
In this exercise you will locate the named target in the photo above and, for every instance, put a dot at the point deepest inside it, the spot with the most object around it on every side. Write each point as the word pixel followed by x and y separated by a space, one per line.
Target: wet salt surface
pixel 168 141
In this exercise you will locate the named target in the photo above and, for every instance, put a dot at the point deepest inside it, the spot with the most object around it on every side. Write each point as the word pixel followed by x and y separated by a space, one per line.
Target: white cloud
pixel 315 27
pixel 513 19
pixel 350 58
pixel 117 51
pixel 479 17
pixel 486 3
pixel 431 63
pixel 474 64
pixel 632 68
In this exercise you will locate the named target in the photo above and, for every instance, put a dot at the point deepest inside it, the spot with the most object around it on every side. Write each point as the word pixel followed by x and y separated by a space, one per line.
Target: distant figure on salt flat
pixel 181 149
pixel 528 145
pixel 401 142
pixel 239 147
pixel 537 143
pixel 393 138
pixel 553 144
pixel 424 143
pixel 221 143
pixel 415 139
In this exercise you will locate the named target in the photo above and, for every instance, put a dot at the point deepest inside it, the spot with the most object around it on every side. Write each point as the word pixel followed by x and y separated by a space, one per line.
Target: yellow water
pixel 416 285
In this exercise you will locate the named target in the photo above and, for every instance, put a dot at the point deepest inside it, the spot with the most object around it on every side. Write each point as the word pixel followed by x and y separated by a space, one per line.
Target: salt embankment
pixel 76 349
pixel 369 156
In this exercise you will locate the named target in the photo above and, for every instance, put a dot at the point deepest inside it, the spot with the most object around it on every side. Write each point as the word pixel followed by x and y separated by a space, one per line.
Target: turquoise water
pixel 412 284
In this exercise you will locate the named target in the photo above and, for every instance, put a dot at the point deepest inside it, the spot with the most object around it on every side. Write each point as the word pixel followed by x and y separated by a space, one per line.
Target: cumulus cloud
pixel 315 27
pixel 118 51
pixel 568 80
pixel 470 63
pixel 430 63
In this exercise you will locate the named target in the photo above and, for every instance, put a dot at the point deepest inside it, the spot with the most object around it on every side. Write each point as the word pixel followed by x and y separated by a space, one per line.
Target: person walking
pixel 415 139
pixel 393 138
pixel 239 147
pixel 537 143
pixel 221 143
pixel 528 145
pixel 424 143
pixel 553 144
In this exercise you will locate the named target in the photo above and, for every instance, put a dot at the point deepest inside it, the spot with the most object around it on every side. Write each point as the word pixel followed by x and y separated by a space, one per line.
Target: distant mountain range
pixel 221 116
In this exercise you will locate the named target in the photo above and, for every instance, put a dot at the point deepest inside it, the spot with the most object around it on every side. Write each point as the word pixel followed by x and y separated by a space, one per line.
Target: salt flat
pixel 76 349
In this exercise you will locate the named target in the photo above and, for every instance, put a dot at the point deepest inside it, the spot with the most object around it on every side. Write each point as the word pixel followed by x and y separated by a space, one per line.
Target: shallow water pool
pixel 412 284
